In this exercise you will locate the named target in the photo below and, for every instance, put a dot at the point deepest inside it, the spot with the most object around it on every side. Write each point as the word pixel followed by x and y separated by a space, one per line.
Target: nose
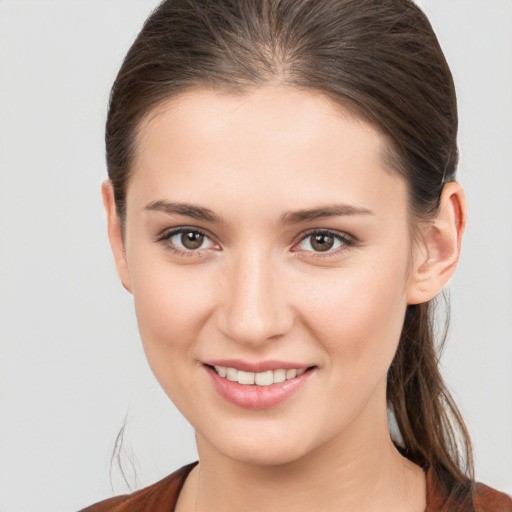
pixel 254 308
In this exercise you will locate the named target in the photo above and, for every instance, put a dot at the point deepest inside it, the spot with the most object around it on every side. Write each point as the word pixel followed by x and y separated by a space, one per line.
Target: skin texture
pixel 257 290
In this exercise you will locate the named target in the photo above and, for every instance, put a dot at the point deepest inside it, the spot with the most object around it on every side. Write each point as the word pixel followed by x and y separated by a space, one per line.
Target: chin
pixel 270 455
pixel 259 447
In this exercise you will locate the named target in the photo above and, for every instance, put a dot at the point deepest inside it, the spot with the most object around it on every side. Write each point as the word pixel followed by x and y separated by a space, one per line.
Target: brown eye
pixel 328 242
pixel 192 240
pixel 322 242
pixel 186 241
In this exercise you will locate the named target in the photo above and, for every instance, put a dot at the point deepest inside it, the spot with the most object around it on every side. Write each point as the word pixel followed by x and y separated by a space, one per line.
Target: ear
pixel 437 250
pixel 115 234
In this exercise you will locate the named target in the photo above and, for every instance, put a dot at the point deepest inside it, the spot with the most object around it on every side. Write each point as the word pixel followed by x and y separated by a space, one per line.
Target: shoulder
pixel 486 499
pixel 162 495
pixel 473 497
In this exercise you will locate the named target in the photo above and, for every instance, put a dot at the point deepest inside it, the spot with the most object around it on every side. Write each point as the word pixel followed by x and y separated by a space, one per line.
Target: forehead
pixel 290 115
pixel 271 143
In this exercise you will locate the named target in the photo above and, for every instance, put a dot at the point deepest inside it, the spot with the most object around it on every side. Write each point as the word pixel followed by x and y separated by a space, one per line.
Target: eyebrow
pixel 323 212
pixel 188 210
pixel 306 215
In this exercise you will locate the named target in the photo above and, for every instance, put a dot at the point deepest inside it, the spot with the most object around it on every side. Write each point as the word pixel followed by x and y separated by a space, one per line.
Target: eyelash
pixel 345 239
pixel 165 239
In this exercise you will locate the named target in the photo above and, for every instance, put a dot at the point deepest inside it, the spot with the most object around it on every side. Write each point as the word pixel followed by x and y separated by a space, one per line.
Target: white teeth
pixel 279 376
pixel 221 370
pixel 266 378
pixel 232 374
pixel 245 377
pixel 290 374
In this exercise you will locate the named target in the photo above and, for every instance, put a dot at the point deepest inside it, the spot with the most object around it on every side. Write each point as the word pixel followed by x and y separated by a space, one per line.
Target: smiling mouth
pixel 266 378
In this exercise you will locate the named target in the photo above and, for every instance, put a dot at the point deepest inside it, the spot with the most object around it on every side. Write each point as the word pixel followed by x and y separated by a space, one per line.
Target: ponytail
pixel 433 431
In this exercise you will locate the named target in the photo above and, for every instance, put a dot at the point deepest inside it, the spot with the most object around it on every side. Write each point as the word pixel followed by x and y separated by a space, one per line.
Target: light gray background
pixel 71 363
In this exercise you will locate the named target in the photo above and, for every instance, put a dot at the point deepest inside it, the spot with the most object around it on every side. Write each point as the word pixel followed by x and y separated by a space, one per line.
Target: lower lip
pixel 256 397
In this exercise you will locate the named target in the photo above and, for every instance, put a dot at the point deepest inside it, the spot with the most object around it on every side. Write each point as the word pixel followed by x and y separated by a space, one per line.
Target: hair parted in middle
pixel 377 59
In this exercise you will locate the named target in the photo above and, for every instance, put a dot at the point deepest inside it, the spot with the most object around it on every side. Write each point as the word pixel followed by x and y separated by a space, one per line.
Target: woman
pixel 286 306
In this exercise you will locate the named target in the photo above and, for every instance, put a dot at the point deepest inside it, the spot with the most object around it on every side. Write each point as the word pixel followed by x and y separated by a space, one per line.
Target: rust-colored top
pixel 162 497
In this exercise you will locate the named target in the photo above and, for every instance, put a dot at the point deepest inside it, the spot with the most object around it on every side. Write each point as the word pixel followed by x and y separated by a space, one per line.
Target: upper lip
pixel 257 367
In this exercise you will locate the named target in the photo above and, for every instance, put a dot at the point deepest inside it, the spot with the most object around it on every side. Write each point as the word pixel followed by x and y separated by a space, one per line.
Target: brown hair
pixel 378 58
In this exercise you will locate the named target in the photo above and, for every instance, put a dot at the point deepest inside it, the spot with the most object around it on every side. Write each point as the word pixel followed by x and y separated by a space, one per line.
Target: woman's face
pixel 264 234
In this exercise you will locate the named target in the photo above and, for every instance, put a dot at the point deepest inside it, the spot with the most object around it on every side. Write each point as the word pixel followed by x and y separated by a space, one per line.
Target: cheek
pixel 171 303
pixel 357 315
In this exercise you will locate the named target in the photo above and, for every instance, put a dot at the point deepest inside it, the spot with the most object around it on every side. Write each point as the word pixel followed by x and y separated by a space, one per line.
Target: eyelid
pixel 165 236
pixel 347 240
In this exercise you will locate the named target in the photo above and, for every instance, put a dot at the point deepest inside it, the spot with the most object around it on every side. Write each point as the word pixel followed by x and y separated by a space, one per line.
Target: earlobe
pixel 438 248
pixel 115 234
